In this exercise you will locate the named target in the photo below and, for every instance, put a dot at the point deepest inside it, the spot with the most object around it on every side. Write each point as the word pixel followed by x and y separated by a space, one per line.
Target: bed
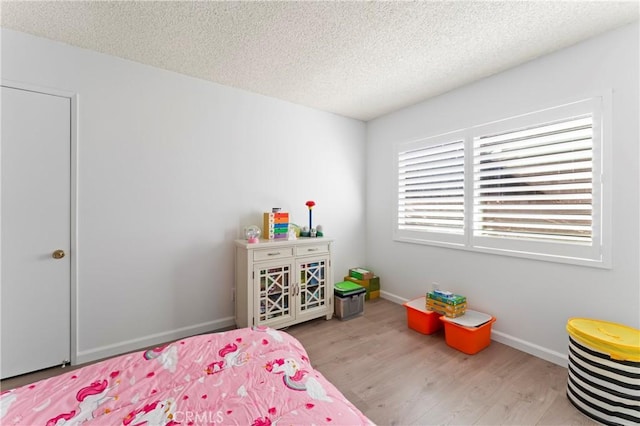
pixel 252 376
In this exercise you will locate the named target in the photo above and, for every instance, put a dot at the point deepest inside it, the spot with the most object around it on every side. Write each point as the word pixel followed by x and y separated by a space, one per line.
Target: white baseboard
pixel 516 343
pixel 154 339
pixel 392 297
pixel 530 348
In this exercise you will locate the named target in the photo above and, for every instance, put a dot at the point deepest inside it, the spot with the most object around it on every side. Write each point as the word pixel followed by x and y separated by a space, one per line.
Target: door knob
pixel 58 254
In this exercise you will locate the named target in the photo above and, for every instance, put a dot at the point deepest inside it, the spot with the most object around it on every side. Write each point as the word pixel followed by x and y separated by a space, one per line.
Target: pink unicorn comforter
pixel 256 376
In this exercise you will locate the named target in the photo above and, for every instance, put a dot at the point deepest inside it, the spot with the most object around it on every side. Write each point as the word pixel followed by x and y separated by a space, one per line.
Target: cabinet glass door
pixel 313 285
pixel 274 295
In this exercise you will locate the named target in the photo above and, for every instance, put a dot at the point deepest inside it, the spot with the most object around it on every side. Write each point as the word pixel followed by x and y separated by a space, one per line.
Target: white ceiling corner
pixel 356 59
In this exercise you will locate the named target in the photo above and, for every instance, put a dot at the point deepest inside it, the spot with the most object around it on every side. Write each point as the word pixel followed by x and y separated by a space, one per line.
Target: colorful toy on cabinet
pixel 276 224
pixel 310 231
pixel 310 204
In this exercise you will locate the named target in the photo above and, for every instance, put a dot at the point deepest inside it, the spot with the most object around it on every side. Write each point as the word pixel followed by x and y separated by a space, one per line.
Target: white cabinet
pixel 280 283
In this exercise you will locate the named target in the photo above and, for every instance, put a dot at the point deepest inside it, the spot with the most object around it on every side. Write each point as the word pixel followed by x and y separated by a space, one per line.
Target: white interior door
pixel 35 286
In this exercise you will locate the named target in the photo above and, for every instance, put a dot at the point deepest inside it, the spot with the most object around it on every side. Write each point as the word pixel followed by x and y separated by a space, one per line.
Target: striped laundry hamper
pixel 604 371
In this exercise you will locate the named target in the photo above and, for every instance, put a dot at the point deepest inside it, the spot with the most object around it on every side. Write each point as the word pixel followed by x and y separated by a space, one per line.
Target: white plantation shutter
pixel 431 190
pixel 536 183
pixel 529 186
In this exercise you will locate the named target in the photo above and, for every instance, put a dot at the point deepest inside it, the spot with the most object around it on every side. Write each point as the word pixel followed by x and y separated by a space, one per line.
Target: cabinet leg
pixel 329 316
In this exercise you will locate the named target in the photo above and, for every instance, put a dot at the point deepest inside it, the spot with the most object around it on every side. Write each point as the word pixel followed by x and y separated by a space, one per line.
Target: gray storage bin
pixel 347 307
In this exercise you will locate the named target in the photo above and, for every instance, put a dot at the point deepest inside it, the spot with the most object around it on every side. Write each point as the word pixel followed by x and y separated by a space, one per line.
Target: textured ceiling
pixel 357 59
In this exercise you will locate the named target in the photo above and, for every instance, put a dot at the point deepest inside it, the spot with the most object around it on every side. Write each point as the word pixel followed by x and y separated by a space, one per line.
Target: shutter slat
pixel 536 226
pixel 535 215
pixel 575 187
pixel 431 221
pixel 423 228
pixel 430 207
pixel 538 207
pixel 508 166
pixel 410 178
pixel 567 177
pixel 534 236
pixel 573 141
pixel 430 213
pixel 428 151
pixel 537 170
pixel 542 197
pixel 561 126
pixel 539 140
pixel 431 165
pixel 436 187
pixel 427 158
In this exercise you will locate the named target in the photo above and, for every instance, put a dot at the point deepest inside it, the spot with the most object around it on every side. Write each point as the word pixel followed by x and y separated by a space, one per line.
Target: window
pixel 526 186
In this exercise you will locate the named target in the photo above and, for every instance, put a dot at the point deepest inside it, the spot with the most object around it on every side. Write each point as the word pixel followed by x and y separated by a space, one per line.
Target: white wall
pixel 531 299
pixel 170 169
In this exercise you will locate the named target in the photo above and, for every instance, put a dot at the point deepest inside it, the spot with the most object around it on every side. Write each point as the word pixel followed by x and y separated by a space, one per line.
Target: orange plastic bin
pixel 420 319
pixel 468 339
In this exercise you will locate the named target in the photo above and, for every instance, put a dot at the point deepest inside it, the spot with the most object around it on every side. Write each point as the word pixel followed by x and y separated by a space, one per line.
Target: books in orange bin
pixel 450 311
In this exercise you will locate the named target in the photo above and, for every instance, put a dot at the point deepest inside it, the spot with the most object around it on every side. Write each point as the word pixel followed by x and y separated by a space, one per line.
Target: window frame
pixel 597 254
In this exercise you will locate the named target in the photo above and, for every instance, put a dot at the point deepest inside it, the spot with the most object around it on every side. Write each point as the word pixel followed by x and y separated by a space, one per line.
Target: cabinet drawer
pixel 312 249
pixel 274 253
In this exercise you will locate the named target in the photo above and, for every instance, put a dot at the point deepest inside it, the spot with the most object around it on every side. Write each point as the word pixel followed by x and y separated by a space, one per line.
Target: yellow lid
pixel 619 341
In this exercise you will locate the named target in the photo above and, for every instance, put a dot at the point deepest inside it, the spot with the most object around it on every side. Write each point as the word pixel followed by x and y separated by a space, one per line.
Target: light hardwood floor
pixel 399 377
